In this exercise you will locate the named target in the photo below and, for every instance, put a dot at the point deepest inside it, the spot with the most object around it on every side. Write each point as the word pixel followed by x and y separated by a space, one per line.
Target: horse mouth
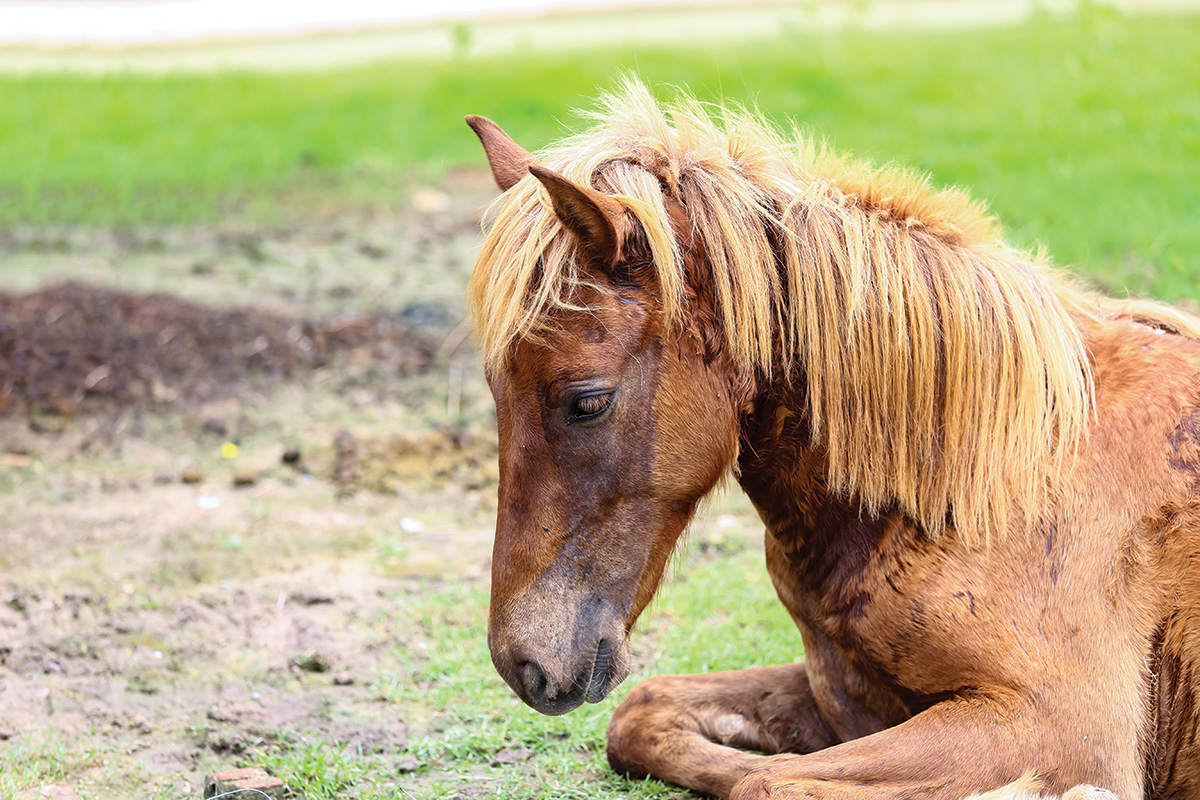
pixel 591 685
pixel 598 684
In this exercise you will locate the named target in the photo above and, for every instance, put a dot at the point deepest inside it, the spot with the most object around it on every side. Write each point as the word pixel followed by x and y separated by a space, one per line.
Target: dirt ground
pixel 225 457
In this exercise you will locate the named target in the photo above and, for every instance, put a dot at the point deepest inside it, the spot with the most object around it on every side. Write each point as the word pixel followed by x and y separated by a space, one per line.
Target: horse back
pixel 1142 487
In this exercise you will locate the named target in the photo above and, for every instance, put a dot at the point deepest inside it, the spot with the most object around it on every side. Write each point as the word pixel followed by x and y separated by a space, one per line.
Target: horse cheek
pixel 696 428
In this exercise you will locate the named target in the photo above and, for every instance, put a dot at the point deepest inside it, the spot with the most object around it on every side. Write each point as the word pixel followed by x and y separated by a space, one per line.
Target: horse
pixel 980 481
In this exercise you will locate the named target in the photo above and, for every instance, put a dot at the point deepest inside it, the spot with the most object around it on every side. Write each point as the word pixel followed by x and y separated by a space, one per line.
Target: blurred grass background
pixel 1081 132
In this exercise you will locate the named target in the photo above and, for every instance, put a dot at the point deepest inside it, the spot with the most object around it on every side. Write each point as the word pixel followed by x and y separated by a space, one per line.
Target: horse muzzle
pixel 555 672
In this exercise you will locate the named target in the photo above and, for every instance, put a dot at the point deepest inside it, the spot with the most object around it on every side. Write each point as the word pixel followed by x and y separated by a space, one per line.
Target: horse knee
pixel 635 728
pixel 625 756
pixel 760 784
pixel 627 741
pixel 652 703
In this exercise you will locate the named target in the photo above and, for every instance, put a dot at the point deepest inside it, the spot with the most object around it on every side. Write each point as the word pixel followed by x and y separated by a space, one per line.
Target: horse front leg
pixel 961 746
pixel 694 730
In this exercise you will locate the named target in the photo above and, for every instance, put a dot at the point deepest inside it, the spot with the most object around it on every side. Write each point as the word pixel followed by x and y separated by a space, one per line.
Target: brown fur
pixel 1029 788
pixel 981 485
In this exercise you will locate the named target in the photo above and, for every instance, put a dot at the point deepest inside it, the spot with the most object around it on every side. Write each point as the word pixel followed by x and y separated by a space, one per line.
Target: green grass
pixel 465 714
pixel 1082 133
pixel 41 765
pixel 41 760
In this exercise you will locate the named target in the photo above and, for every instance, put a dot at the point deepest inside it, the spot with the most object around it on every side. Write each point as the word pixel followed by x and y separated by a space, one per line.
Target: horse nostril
pixel 533 678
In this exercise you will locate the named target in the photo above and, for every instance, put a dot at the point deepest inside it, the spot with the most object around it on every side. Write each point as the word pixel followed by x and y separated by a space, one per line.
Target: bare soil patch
pixel 248 480
pixel 77 344
pixel 168 604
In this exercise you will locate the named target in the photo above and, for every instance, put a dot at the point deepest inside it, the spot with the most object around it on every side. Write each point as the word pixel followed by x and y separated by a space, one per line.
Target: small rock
pixel 48 424
pixel 137 722
pixel 372 250
pixel 191 475
pixel 291 456
pixel 407 764
pixel 512 755
pixel 311 597
pixel 225 712
pixel 343 680
pixel 245 477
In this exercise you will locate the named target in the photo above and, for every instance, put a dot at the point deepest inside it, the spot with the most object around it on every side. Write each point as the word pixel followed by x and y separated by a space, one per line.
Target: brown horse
pixel 980 484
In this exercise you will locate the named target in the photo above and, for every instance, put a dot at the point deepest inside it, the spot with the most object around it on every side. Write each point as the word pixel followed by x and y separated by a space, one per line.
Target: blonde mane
pixel 944 371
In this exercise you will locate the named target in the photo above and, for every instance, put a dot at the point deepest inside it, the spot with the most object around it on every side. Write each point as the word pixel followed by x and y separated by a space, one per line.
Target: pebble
pixel 216 426
pixel 245 477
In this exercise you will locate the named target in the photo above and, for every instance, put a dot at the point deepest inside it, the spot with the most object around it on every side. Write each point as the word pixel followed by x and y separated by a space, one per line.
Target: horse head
pixel 613 423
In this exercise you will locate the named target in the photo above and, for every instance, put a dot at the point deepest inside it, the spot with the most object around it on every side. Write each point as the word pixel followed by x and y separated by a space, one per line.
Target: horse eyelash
pixel 591 405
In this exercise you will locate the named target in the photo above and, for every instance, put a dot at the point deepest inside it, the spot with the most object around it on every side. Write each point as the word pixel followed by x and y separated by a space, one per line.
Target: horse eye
pixel 590 405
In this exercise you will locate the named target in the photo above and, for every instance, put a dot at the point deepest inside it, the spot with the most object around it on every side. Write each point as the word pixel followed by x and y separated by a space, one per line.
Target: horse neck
pixel 780 465
pixel 936 369
pixel 827 538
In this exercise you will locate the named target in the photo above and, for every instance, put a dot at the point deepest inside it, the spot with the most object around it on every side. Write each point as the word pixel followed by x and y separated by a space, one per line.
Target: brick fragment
pixel 233 780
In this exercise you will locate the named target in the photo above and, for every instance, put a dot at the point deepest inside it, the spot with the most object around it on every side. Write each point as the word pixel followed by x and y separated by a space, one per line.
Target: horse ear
pixel 589 214
pixel 509 161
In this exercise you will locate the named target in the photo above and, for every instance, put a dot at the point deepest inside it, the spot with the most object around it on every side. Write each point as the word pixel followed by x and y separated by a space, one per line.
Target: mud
pixel 77 345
